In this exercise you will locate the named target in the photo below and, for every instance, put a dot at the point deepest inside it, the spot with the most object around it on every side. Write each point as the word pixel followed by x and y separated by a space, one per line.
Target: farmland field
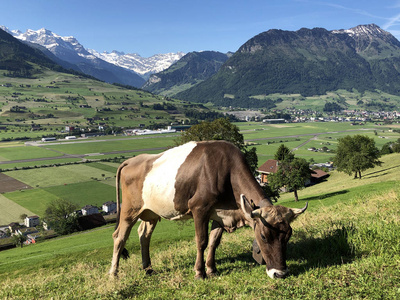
pixel 10 211
pixel 75 181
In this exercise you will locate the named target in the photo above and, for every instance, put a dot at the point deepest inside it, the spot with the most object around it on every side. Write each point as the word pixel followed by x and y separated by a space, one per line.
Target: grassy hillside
pixel 347 245
pixel 53 100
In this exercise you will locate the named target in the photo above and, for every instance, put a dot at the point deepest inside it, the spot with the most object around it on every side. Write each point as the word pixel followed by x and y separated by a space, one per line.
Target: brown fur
pixel 208 186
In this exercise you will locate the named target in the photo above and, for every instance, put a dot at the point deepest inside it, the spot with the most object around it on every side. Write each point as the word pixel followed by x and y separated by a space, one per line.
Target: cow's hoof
pixel 212 273
pixel 200 276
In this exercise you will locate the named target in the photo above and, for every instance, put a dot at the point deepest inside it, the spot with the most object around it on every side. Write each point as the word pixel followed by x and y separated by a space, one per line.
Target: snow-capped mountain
pixel 130 69
pixel 144 66
pixel 67 48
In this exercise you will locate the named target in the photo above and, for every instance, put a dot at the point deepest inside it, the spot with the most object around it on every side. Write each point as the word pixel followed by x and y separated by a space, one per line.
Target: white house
pixel 109 207
pixel 32 221
pixel 89 210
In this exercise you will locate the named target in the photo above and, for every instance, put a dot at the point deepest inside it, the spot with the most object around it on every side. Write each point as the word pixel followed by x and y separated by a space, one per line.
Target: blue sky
pixel 149 27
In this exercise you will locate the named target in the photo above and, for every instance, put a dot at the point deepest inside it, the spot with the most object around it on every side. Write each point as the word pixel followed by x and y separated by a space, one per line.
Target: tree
pixel 23 217
pixel 220 129
pixel 60 215
pixel 291 174
pixel 18 239
pixel 355 154
pixel 283 153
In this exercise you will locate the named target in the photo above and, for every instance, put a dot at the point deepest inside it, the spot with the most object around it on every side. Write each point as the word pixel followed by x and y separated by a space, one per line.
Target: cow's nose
pixel 274 273
pixel 280 274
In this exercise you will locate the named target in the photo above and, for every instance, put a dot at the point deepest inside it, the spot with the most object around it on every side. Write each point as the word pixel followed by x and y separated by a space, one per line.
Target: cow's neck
pixel 246 184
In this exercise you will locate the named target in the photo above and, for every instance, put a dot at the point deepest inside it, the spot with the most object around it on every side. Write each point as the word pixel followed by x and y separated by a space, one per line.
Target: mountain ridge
pixel 89 61
pixel 144 66
pixel 191 69
pixel 307 62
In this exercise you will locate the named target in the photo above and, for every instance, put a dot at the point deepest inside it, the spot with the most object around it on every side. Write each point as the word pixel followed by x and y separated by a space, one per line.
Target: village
pixel 33 227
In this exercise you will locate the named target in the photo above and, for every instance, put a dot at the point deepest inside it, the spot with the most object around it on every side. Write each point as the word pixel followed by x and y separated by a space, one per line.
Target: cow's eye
pixel 263 237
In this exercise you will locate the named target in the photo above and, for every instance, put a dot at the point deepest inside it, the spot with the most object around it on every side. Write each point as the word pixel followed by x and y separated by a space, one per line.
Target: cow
pixel 207 180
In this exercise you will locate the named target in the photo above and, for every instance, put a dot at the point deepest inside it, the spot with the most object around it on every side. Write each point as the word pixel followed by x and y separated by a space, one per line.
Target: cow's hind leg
pixel 214 240
pixel 201 227
pixel 145 231
pixel 120 237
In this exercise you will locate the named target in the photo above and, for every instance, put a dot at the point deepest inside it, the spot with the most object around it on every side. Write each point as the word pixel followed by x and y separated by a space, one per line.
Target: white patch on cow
pixel 271 273
pixel 159 186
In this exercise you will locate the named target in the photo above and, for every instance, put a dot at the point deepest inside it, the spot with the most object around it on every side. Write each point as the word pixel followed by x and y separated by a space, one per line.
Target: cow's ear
pixel 248 208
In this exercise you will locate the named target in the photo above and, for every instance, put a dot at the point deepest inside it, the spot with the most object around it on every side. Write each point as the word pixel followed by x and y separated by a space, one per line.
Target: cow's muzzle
pixel 274 273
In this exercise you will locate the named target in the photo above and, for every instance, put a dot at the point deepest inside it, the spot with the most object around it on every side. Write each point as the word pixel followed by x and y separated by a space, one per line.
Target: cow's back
pixel 166 183
pixel 159 191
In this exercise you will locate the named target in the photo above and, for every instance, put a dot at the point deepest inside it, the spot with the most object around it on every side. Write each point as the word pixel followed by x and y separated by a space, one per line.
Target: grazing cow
pixel 204 181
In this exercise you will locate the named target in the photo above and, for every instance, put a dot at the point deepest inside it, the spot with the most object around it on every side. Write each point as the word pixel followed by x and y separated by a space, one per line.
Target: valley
pixel 354 224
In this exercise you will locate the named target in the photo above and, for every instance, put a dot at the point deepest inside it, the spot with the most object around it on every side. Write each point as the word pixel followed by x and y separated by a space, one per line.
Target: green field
pixel 345 246
pixel 11 211
pixel 73 100
pixel 70 180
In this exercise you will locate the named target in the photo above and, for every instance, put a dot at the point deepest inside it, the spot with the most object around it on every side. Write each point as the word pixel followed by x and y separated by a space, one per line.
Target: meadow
pixel 346 245
pixel 93 183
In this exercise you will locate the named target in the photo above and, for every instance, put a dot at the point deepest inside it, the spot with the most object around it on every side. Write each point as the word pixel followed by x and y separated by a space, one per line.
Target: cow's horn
pixel 298 211
pixel 256 213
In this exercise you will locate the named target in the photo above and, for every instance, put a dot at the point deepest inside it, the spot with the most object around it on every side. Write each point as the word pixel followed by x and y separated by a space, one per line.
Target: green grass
pixel 346 245
pixel 94 193
pixel 35 200
pixel 25 152
pixel 11 211
pixel 38 163
pixel 105 145
pixel 349 250
pixel 55 176
pixel 387 174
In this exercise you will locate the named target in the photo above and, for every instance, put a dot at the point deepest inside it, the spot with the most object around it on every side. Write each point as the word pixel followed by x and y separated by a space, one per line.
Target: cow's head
pixel 272 231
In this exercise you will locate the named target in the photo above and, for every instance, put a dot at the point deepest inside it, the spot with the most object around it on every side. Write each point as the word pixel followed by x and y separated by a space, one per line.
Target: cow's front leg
pixel 201 227
pixel 145 231
pixel 215 239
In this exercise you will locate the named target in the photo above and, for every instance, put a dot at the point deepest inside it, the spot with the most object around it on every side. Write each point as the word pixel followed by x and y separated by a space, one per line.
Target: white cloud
pixel 392 22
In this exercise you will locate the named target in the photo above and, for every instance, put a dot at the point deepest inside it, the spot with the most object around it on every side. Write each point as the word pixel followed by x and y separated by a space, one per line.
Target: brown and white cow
pixel 204 181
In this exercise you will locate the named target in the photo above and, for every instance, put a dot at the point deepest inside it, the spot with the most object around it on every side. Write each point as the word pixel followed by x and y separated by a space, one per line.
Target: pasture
pixel 52 182
pixel 341 248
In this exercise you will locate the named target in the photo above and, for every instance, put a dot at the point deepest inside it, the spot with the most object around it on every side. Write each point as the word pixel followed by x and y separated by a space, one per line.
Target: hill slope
pixel 307 62
pixel 342 248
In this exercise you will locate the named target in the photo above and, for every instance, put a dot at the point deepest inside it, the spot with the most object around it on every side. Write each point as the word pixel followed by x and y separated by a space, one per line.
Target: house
pixel 270 166
pixel 274 121
pixel 89 210
pixel 110 207
pixel 32 221
pixel 91 221
pixel 317 176
pixel 26 231
pixel 13 226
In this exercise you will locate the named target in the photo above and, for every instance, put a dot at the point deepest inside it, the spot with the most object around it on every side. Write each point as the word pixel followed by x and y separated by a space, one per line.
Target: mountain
pixel 20 60
pixel 191 69
pixel 69 50
pixel 144 66
pixel 307 62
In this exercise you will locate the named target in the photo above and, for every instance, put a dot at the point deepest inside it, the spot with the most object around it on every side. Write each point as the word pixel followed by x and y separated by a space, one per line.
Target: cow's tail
pixel 124 253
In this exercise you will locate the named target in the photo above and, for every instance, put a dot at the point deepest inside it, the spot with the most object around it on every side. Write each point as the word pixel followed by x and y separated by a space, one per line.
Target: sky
pixel 149 27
